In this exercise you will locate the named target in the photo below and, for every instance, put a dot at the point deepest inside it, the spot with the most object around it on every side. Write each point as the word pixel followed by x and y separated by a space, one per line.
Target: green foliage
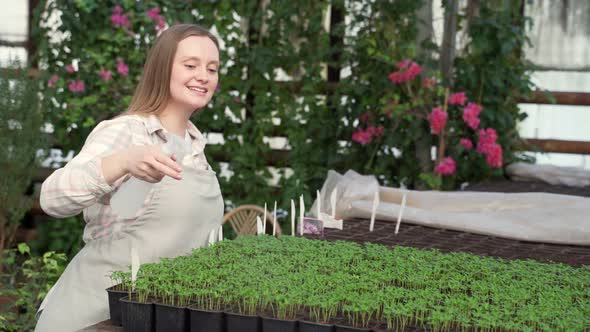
pixel 387 33
pixel 259 42
pixel 26 279
pixel 402 286
pixel 59 235
pixel 492 70
pixel 20 140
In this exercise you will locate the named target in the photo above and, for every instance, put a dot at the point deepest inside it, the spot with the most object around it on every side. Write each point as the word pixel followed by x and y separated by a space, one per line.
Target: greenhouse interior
pixel 294 166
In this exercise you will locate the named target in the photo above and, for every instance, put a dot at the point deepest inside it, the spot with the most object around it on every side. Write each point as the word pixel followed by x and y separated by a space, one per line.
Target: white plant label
pixel 211 237
pixel 333 202
pixel 330 222
pixel 274 220
pixel 134 266
pixel 301 214
pixel 259 230
pixel 401 212
pixel 293 212
pixel 319 205
pixel 374 210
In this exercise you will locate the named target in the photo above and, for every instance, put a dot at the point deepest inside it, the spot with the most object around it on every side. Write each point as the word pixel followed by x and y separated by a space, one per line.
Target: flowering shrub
pixel 91 72
pixel 453 120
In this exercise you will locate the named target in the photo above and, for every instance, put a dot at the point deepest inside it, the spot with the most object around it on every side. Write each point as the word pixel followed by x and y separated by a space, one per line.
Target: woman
pixel 184 205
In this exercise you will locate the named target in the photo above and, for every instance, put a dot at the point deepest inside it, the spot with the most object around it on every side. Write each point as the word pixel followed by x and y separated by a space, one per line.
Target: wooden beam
pixel 31 45
pixel 448 47
pixel 561 98
pixel 337 14
pixel 31 72
pixel 557 146
pixel 537 97
pixel 8 43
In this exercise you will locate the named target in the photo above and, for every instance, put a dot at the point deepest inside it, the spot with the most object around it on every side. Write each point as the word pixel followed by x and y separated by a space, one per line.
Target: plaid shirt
pixel 80 184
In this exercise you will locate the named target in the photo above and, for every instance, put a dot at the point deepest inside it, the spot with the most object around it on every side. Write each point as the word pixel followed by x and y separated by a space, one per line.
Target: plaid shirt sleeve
pixel 80 183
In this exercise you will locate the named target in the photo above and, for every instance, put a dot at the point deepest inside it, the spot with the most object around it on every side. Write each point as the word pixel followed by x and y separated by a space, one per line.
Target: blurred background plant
pixel 59 235
pixel 291 72
pixel 21 144
pixel 453 123
pixel 25 281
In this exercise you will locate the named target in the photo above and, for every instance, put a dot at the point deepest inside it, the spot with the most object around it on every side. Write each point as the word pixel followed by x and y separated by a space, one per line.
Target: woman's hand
pixel 150 164
pixel 145 162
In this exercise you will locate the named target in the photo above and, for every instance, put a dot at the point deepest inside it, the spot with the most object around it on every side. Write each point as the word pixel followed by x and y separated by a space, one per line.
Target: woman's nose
pixel 201 74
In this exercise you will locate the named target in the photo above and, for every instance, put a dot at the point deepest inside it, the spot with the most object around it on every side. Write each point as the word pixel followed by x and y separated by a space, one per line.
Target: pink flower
pixel 366 136
pixel 104 74
pixel 466 143
pixel 487 138
pixel 396 77
pixel 438 120
pixel 161 23
pixel 119 19
pixel 447 166
pixel 471 115
pixel 458 98
pixel 72 86
pixel 122 67
pixel 403 64
pixel 154 15
pixel 494 156
pixel 52 80
pixel 414 70
pixel 70 69
pixel 362 137
pixel 375 132
pixel 76 86
pixel 488 146
pixel 81 87
pixel 408 70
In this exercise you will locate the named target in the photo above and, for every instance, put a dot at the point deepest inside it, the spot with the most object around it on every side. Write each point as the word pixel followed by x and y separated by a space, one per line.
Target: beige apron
pixel 180 217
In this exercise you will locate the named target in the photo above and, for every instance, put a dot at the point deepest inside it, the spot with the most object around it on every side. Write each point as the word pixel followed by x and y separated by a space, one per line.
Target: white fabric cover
pixel 556 175
pixel 537 217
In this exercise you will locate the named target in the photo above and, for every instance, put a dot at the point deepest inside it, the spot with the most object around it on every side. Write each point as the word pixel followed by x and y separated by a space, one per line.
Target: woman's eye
pixel 212 71
pixel 190 66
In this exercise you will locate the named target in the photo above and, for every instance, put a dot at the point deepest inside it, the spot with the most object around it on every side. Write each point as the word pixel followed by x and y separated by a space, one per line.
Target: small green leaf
pixel 24 248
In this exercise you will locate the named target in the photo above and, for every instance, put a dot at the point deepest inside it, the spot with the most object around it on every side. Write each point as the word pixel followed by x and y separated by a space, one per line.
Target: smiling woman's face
pixel 194 74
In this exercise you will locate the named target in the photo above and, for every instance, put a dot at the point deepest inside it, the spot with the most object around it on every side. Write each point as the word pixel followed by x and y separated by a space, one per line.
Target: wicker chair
pixel 243 219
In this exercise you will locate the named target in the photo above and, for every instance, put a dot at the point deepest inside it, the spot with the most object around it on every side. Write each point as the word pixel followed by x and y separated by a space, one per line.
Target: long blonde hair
pixel 153 91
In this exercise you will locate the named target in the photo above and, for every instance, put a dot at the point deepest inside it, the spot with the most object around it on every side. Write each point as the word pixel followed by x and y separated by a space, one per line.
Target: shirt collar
pixel 153 125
